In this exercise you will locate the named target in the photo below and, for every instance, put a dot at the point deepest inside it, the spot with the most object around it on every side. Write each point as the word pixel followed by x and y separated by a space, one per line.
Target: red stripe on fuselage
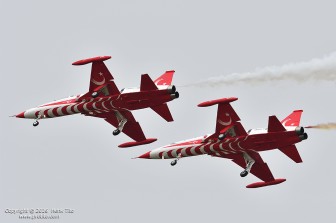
pixel 80 107
pixel 169 153
pixel 36 114
pixel 64 111
pixel 73 108
pixel 89 106
pixel 198 150
pixel 188 151
pixel 46 113
pixel 207 148
pixel 54 112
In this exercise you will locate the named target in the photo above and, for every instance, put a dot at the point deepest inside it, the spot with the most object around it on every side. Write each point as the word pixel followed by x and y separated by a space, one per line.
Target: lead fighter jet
pixel 105 100
pixel 231 141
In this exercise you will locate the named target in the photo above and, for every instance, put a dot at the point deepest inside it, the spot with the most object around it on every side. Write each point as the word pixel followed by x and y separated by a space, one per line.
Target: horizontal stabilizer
pixel 147 84
pixel 163 111
pixel 292 152
pixel 274 125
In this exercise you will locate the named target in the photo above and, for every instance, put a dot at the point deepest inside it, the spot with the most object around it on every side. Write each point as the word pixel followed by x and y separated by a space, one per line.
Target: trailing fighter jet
pixel 231 141
pixel 105 100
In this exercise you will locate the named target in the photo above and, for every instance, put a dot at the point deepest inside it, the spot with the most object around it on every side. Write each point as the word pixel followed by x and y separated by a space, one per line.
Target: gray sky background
pixel 73 162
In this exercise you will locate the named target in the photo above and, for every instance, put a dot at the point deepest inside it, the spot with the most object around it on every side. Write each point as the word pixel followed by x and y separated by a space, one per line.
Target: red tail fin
pixel 293 119
pixel 165 79
pixel 146 83
pixel 274 125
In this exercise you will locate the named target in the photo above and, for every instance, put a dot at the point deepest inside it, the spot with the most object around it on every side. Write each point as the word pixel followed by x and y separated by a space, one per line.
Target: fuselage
pixel 128 99
pixel 256 140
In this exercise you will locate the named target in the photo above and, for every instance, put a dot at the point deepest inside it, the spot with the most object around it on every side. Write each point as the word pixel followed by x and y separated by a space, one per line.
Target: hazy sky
pixel 74 162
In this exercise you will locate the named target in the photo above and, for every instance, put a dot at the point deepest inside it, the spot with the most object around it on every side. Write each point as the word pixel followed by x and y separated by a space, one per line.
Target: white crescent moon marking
pixel 202 150
pixel 183 152
pixel 94 105
pixel 221 146
pixel 192 150
pixel 103 104
pixel 68 109
pixel 59 111
pixel 50 114
pixel 76 108
pixel 212 147
pixel 111 103
pixel 85 108
pixel 225 123
pixel 158 82
pixel 231 146
pixel 240 146
pixel 98 82
pixel 284 122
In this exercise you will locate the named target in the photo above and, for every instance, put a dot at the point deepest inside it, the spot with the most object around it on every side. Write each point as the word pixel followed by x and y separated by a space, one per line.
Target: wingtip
pixel 91 60
pixel 217 101
pixel 264 184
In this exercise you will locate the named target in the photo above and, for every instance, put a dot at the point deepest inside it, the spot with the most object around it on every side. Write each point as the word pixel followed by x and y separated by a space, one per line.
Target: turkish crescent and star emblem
pixel 291 123
pixel 100 82
pixel 226 122
pixel 158 82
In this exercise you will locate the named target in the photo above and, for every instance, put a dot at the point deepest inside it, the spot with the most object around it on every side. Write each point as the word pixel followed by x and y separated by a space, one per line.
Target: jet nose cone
pixel 145 156
pixel 21 115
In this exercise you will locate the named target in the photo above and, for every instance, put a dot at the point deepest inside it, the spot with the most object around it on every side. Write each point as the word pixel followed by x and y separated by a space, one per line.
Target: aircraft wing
pixel 259 169
pixel 227 120
pixel 132 128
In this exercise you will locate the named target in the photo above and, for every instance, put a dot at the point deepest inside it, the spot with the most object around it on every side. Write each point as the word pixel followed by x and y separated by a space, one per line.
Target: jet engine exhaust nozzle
pixel 175 95
pixel 171 89
pixel 299 130
pixel 304 136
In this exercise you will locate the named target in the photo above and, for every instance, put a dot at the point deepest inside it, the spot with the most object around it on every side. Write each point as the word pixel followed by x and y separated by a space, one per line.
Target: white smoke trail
pixel 326 126
pixel 318 69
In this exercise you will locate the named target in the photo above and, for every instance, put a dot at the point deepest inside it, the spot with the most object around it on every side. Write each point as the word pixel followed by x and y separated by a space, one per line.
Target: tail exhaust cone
pixel 304 136
pixel 171 89
pixel 299 130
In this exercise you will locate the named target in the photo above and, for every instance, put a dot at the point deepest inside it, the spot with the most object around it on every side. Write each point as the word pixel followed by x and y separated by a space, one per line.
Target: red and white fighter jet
pixel 231 141
pixel 104 100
